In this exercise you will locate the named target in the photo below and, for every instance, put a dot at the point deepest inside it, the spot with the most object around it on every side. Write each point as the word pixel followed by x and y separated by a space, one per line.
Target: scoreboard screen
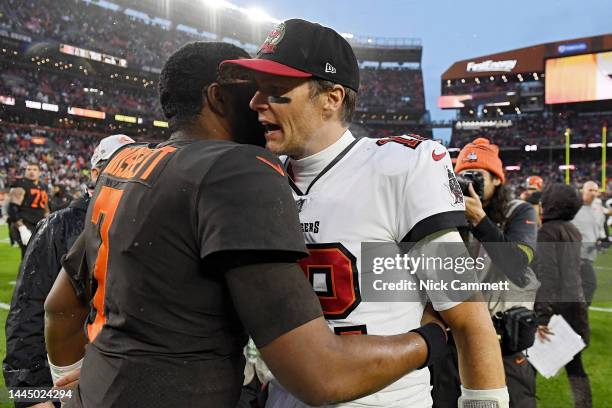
pixel 579 78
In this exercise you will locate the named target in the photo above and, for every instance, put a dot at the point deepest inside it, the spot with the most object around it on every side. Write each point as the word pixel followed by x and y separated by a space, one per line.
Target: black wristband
pixel 435 338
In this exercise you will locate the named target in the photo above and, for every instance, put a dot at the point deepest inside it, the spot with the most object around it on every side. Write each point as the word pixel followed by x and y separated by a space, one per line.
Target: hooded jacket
pixel 557 263
pixel 25 364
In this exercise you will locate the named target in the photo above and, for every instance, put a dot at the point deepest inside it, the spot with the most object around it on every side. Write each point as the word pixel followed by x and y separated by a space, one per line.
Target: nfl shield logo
pixel 300 203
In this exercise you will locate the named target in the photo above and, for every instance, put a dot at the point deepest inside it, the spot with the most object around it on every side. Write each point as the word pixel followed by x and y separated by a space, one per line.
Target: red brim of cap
pixel 267 67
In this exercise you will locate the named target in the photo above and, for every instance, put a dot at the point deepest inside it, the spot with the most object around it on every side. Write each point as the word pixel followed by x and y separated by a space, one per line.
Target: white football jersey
pixel 371 190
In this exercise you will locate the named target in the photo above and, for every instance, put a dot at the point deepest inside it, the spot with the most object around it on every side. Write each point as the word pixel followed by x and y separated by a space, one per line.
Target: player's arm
pixel 440 211
pixel 16 196
pixel 480 362
pixel 65 316
pixel 283 315
pixel 66 312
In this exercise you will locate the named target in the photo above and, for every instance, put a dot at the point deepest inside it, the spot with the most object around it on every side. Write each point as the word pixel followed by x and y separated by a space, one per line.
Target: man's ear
pixel 496 181
pixel 215 100
pixel 335 98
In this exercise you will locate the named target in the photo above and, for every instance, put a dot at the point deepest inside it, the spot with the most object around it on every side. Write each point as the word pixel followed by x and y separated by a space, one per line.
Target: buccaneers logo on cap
pixel 274 37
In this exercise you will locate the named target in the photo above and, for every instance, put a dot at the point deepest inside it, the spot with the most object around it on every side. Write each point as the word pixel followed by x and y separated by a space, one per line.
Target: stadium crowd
pixel 81 24
pixel 63 155
pixel 390 90
pixel 72 22
pixel 83 92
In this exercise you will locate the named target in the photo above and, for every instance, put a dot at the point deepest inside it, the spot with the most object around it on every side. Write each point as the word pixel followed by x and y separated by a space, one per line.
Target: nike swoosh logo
pixel 438 157
pixel 277 167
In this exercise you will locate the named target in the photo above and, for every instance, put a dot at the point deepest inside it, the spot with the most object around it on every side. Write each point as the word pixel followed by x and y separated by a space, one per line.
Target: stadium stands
pixel 121 96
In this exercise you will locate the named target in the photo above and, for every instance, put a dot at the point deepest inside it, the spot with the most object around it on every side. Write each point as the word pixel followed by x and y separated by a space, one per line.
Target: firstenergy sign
pixel 491 66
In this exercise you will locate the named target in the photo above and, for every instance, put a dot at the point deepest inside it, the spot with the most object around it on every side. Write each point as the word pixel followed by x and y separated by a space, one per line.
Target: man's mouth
pixel 270 128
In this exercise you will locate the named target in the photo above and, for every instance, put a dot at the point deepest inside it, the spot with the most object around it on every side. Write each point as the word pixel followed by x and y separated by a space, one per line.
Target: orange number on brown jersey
pixel 104 209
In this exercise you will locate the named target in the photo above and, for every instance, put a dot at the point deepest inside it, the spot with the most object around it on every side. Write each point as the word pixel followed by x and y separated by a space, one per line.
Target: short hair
pixel 186 76
pixel 33 163
pixel 317 86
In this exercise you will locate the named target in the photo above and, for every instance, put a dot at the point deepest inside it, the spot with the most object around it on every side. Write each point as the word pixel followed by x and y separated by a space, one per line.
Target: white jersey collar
pixel 305 170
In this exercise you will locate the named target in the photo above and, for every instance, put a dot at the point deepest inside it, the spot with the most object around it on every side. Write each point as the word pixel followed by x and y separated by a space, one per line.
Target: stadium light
pixel 348 36
pixel 218 4
pixel 260 16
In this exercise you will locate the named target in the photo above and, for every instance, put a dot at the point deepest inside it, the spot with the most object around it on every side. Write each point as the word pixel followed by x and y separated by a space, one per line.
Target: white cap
pixel 108 146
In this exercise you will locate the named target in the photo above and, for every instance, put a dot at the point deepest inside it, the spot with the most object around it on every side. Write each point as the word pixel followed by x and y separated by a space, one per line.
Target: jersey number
pixel 40 198
pixel 103 214
pixel 332 271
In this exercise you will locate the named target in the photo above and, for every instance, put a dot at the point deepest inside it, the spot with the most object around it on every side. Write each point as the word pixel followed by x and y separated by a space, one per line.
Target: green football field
pixel 552 393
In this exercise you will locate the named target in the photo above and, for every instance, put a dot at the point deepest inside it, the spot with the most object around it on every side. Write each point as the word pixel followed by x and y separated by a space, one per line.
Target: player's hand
pixel 16 195
pixel 69 381
pixel 25 234
pixel 544 333
pixel 431 316
pixel 473 207
pixel 46 404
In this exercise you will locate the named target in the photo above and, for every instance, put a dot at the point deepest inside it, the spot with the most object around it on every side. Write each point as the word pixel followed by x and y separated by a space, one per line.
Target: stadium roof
pixel 528 59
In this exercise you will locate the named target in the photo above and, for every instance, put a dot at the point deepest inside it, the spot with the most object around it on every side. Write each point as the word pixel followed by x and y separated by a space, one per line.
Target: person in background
pixel 17 233
pixel 535 199
pixel 25 363
pixel 32 208
pixel 557 266
pixel 589 221
pixel 533 184
pixel 60 198
pixel 504 230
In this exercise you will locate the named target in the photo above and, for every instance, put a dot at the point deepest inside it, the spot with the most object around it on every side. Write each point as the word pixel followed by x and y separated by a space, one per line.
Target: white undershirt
pixel 305 170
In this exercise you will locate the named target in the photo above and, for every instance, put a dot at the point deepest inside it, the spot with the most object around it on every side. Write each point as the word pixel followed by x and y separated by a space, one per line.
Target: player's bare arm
pixel 65 315
pixel 480 363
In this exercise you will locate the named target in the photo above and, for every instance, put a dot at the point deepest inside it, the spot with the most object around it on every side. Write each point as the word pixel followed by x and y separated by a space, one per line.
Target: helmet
pixel 534 183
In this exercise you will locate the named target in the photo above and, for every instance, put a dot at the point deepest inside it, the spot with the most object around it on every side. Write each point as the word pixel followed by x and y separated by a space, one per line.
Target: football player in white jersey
pixel 351 191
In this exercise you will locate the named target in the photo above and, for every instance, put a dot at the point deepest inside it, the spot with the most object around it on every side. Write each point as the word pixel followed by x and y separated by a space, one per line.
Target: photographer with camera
pixel 504 232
